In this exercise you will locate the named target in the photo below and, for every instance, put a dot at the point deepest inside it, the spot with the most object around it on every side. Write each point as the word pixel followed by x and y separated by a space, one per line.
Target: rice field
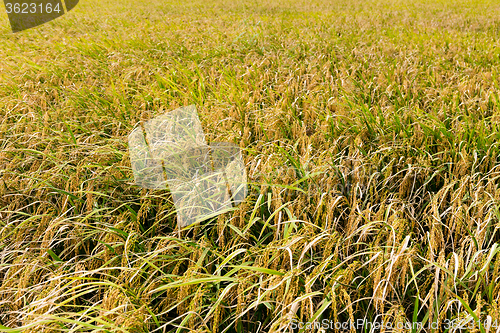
pixel 370 132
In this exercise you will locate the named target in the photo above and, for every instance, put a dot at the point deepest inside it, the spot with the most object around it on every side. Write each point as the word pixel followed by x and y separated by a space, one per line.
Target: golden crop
pixel 371 137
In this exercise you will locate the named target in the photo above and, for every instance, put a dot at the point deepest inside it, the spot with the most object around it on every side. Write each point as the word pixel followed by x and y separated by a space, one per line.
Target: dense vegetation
pixel 371 137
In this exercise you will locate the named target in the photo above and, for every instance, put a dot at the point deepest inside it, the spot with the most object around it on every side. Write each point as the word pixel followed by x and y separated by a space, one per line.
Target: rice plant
pixel 370 135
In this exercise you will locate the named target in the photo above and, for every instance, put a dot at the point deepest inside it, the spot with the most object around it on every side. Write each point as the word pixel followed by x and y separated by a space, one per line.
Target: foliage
pixel 370 131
